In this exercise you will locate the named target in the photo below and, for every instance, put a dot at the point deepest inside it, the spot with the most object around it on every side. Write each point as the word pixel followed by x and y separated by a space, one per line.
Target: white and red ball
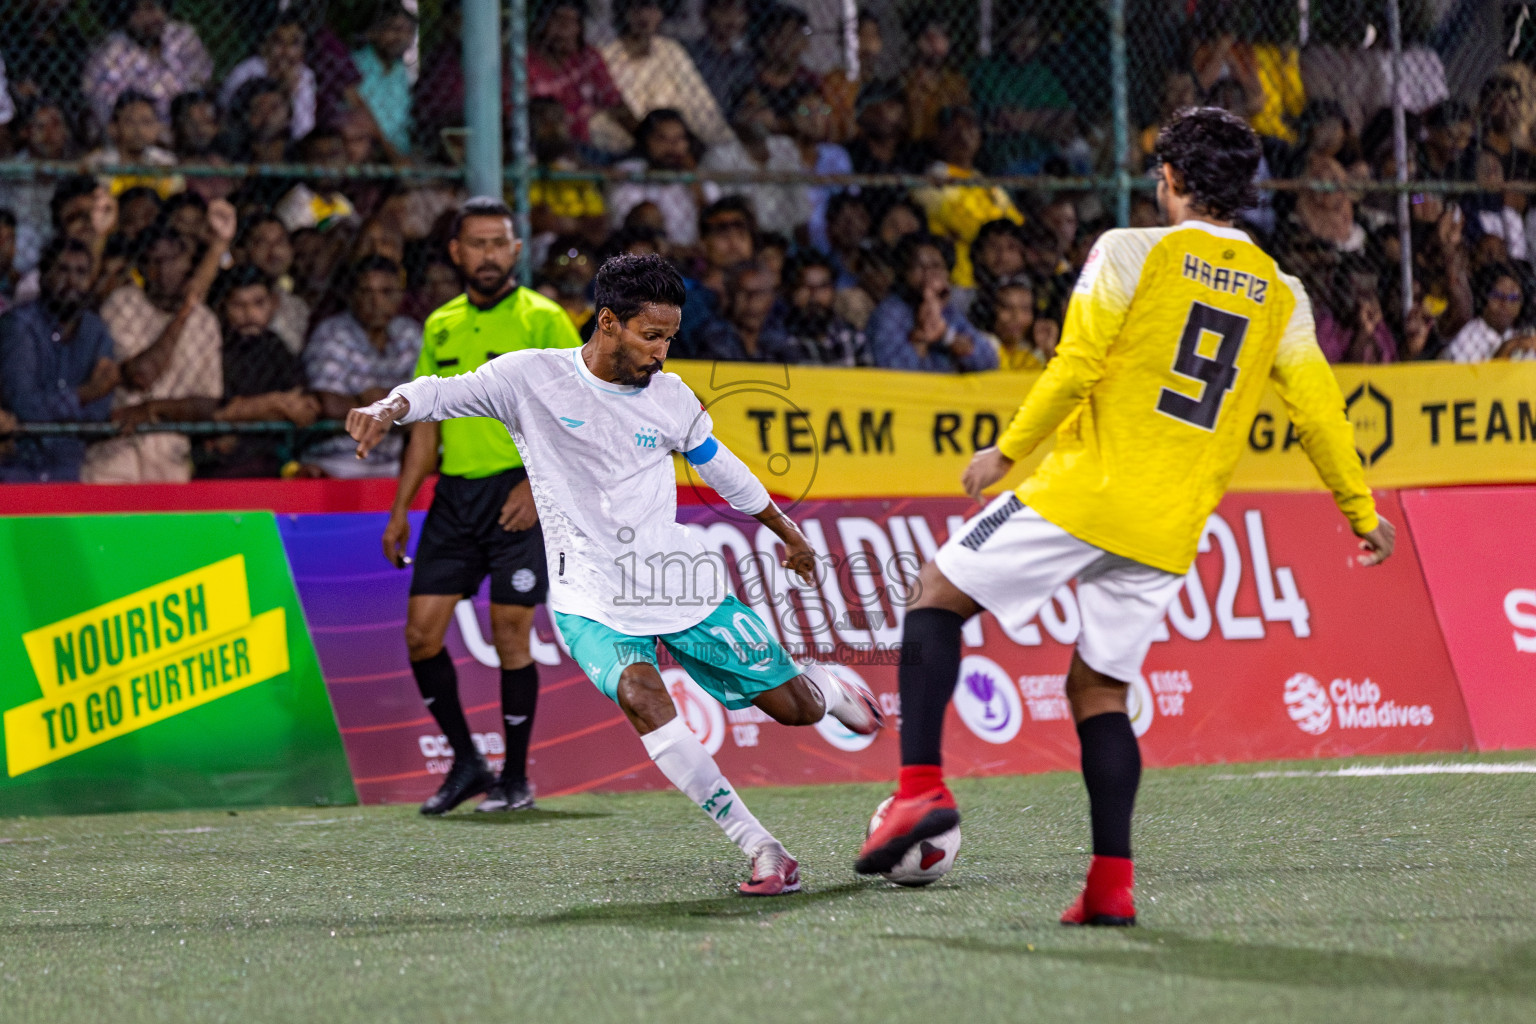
pixel 928 861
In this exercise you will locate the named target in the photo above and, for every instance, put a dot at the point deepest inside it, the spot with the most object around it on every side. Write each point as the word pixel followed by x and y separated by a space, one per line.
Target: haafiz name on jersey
pixel 1238 282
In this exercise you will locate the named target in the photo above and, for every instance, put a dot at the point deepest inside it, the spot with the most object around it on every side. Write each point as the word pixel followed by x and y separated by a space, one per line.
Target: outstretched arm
pixel 1310 391
pixel 489 391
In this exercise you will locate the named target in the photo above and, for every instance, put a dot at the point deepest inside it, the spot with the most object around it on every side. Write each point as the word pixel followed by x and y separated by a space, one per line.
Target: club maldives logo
pixel 1307 703
pixel 705 717
pixel 835 732
pixel 1315 709
pixel 987 701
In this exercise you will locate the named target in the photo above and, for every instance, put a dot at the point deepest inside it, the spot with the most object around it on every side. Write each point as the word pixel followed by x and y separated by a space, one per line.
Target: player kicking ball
pixel 597 427
pixel 1169 339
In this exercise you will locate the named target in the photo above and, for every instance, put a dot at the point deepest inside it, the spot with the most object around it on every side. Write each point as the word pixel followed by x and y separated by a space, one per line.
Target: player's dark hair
pixel 1216 154
pixel 626 284
pixel 478 206
pixel 7 219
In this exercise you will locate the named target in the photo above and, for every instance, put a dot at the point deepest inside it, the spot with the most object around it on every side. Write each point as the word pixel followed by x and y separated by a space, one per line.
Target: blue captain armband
pixel 703 453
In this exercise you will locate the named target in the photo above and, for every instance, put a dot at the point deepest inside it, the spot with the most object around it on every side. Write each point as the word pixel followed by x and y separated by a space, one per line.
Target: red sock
pixel 917 779
pixel 1110 884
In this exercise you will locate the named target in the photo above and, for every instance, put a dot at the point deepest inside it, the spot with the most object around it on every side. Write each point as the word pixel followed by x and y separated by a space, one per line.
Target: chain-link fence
pixel 235 213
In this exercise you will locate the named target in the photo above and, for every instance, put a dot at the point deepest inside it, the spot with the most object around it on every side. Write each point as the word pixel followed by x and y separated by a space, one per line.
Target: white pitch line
pixel 1382 770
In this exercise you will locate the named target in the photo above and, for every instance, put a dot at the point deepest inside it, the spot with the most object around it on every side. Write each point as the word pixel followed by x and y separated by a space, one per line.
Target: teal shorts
pixel 730 654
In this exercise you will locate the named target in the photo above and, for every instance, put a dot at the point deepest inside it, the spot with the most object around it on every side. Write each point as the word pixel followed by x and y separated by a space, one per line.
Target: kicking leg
pixel 930 663
pixel 426 623
pixel 510 625
pixel 817 692
pixel 1112 773
pixel 689 767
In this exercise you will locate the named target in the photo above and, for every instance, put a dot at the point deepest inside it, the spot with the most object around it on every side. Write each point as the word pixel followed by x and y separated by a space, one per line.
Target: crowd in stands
pixel 142 289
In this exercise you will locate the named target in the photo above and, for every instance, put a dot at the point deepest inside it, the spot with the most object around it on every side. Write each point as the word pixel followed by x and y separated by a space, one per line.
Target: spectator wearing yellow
pixel 956 212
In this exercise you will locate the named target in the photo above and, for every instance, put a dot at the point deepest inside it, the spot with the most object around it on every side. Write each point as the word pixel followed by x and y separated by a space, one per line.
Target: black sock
pixel 930 661
pixel 519 700
pixel 1112 771
pixel 439 686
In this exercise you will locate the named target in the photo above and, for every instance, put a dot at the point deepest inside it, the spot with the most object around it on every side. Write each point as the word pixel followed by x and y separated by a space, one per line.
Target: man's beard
pixel 626 371
pixel 478 279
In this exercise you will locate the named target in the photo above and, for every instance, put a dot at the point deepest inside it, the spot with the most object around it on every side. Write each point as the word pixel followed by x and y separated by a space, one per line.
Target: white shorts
pixel 1010 561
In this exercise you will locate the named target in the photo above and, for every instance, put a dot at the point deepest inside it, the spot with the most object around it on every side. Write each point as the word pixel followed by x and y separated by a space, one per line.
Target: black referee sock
pixel 439 686
pixel 519 700
pixel 1112 772
pixel 930 661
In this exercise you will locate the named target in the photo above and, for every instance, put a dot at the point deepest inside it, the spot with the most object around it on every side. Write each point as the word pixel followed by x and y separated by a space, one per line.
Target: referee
pixel 482 518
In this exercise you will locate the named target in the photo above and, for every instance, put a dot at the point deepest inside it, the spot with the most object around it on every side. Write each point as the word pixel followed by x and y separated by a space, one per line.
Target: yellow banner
pixel 811 432
pixel 91 712
pixel 147 626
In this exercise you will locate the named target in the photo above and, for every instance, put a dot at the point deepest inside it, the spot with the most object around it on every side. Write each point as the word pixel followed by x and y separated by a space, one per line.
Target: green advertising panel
pixel 156 661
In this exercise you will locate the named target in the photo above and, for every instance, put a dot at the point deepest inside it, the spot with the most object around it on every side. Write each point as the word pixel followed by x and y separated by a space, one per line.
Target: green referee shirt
pixel 460 338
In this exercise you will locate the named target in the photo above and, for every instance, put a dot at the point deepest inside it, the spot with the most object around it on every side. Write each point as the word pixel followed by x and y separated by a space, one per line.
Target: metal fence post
pixel 1400 155
pixel 522 150
pixel 482 96
pixel 1122 114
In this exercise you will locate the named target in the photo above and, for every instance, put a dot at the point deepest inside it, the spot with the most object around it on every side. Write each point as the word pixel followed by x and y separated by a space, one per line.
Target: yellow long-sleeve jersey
pixel 1170 336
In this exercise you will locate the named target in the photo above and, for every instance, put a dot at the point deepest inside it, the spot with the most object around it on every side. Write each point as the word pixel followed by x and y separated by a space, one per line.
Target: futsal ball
pixel 928 861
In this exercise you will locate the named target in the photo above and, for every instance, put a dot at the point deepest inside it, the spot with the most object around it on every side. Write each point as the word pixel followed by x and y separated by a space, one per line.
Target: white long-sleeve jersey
pixel 599 461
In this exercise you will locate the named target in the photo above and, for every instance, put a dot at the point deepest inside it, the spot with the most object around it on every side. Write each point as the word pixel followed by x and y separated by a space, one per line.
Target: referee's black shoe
pixel 508 795
pixel 468 777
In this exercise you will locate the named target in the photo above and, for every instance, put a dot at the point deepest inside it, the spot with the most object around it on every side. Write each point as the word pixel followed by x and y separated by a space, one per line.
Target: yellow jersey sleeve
pixel 1310 391
pixel 1095 316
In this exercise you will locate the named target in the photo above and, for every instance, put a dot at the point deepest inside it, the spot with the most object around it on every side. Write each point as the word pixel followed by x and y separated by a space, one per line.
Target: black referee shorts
pixel 462 542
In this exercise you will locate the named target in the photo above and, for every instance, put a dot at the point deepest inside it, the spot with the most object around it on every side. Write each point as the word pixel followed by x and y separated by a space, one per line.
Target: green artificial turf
pixel 1308 899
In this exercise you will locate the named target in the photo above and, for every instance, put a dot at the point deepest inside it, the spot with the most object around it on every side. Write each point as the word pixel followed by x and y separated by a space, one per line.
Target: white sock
pixel 688 766
pixel 821 680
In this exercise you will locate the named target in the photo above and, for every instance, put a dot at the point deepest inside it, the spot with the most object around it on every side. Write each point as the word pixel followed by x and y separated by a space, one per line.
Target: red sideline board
pixel 1478 547
pixel 1280 647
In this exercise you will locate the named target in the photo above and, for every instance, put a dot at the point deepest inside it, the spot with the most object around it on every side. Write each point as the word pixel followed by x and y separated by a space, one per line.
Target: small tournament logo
pixel 524 580
pixel 1307 703
pixel 987 701
pixel 646 437
pixel 704 715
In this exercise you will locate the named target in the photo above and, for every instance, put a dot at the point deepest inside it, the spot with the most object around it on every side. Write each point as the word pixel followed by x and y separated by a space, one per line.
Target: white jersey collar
pixel 1236 234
